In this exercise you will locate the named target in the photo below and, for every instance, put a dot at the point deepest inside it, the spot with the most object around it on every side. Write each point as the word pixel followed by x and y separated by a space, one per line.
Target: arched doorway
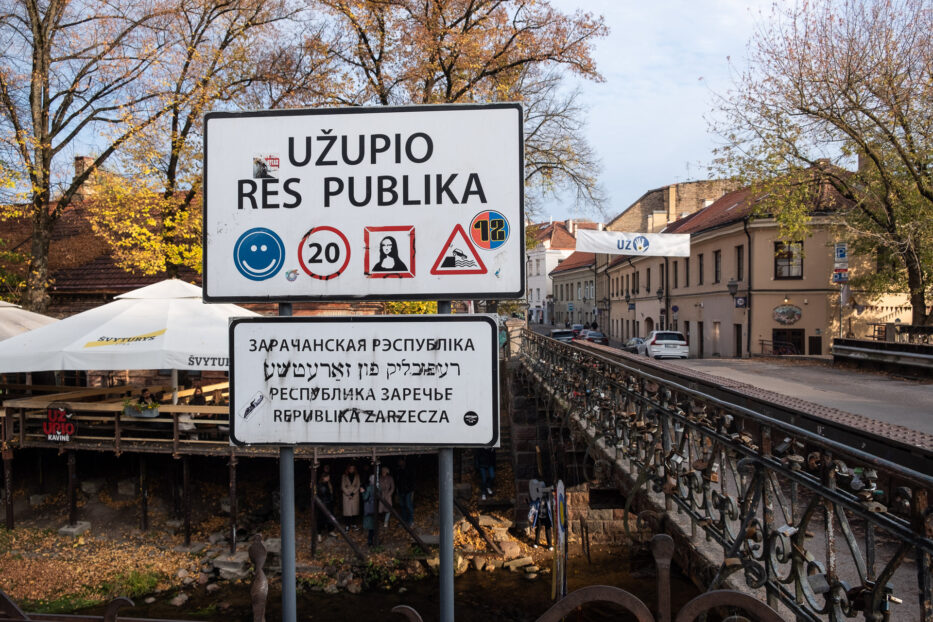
pixel 649 325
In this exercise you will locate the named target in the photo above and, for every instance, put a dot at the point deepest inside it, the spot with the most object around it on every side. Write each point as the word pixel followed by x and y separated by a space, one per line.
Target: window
pixel 740 262
pixel 788 260
pixel 579 291
pixel 700 269
pixel 627 284
pixel 635 287
pixel 675 275
pixel 538 294
pixel 717 266
pixel 661 273
pixel 647 279
pixel 687 272
pixel 538 266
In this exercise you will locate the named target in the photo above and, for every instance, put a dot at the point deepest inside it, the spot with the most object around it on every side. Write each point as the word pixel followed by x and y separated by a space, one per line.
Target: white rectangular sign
pixel 635 244
pixel 365 380
pixel 418 202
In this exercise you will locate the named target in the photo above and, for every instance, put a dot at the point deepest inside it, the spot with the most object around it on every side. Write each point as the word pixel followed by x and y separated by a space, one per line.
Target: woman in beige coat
pixel 350 489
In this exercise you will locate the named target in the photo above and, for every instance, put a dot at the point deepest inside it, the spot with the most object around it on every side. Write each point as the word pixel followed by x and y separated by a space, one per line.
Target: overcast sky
pixel 662 61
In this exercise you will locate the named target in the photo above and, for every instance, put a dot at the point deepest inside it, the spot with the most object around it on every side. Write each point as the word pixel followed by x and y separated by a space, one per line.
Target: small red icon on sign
pixel 390 252
pixel 324 253
pixel 458 256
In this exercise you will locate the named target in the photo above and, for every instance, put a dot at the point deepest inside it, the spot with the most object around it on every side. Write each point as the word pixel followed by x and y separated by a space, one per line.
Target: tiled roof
pixel 578 259
pixel 731 207
pixel 738 204
pixel 103 275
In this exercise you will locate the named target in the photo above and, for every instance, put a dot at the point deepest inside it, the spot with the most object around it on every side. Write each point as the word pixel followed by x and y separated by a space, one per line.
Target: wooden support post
pixel 233 507
pixel 340 528
pixel 186 492
pixel 176 499
pixel 72 490
pixel 478 528
pixel 40 472
pixel 143 494
pixel 314 527
pixel 8 486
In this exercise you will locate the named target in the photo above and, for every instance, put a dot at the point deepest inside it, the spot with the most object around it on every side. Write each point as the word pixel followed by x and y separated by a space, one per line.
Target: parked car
pixel 576 328
pixel 593 336
pixel 562 334
pixel 665 344
pixel 633 345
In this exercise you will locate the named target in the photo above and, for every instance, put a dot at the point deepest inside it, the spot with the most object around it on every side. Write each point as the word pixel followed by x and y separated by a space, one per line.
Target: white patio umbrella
pixel 15 320
pixel 162 326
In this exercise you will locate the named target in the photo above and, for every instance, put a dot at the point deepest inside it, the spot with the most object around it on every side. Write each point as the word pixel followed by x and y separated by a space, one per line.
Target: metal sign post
pixel 445 517
pixel 287 517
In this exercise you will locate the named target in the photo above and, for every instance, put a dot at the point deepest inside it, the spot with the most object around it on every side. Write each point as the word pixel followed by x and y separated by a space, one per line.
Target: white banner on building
pixel 636 244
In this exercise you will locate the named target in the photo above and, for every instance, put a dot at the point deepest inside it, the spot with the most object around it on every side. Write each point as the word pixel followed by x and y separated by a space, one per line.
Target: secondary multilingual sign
pixel 365 380
pixel 419 202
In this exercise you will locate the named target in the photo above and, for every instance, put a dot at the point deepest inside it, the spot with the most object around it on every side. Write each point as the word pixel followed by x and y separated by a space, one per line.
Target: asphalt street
pixel 877 395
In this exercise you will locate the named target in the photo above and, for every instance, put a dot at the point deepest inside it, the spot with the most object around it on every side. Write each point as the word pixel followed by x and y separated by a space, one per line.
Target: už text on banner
pixel 636 244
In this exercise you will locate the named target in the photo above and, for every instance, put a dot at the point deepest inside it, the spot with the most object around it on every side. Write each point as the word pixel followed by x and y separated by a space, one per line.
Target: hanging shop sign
pixel 418 202
pixel 787 314
pixel 59 425
pixel 365 380
pixel 634 244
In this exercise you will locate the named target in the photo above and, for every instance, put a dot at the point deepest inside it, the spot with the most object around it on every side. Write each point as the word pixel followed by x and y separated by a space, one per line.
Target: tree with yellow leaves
pixel 222 52
pixel 396 52
pixel 69 70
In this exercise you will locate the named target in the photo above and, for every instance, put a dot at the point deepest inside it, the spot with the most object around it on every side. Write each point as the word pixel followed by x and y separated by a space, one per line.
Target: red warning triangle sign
pixel 458 256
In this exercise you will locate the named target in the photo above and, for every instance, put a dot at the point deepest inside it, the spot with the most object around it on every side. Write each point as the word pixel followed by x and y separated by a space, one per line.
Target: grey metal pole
pixel 287 511
pixel 445 474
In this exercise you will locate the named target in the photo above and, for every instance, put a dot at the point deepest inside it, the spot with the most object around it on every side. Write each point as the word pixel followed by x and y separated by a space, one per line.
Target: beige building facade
pixel 742 291
pixel 574 286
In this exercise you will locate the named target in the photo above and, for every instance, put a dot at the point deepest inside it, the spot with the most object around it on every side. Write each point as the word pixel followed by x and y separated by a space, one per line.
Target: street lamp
pixel 733 287
pixel 660 294
pixel 628 296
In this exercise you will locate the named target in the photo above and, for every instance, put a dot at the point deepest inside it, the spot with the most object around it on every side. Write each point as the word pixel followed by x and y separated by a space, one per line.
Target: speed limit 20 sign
pixel 419 202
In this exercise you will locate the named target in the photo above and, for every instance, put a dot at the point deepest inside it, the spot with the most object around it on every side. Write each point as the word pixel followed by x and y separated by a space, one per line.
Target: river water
pixel 479 596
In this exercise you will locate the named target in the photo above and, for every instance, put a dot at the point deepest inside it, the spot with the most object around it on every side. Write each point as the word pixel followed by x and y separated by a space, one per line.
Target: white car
pixel 664 344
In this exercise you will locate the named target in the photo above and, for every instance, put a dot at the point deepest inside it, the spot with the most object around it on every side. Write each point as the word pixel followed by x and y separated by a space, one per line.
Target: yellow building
pixel 742 291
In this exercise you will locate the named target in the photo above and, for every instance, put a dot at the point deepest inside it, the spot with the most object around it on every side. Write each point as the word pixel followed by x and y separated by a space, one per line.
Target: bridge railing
pixel 824 530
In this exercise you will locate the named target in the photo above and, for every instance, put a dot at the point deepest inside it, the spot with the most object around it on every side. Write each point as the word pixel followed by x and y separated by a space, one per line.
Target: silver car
pixel 664 344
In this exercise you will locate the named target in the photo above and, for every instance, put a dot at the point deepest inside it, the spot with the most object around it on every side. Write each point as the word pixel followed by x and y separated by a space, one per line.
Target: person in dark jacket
pixel 369 510
pixel 485 459
pixel 325 492
pixel 405 489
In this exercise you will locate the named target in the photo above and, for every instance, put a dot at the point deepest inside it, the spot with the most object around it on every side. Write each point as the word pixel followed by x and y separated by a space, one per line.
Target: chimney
pixel 82 163
pixel 571 226
pixel 672 203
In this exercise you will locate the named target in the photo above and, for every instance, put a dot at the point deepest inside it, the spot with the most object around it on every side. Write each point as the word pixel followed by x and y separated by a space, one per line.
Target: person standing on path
pixel 350 490
pixel 405 487
pixel 386 489
pixel 369 510
pixel 325 492
pixel 485 461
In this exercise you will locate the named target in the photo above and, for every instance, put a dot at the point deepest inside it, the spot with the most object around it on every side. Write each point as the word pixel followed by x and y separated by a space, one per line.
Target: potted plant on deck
pixel 143 406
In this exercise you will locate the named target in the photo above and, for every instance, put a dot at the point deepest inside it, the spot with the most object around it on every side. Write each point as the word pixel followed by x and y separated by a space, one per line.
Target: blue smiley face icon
pixel 259 254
